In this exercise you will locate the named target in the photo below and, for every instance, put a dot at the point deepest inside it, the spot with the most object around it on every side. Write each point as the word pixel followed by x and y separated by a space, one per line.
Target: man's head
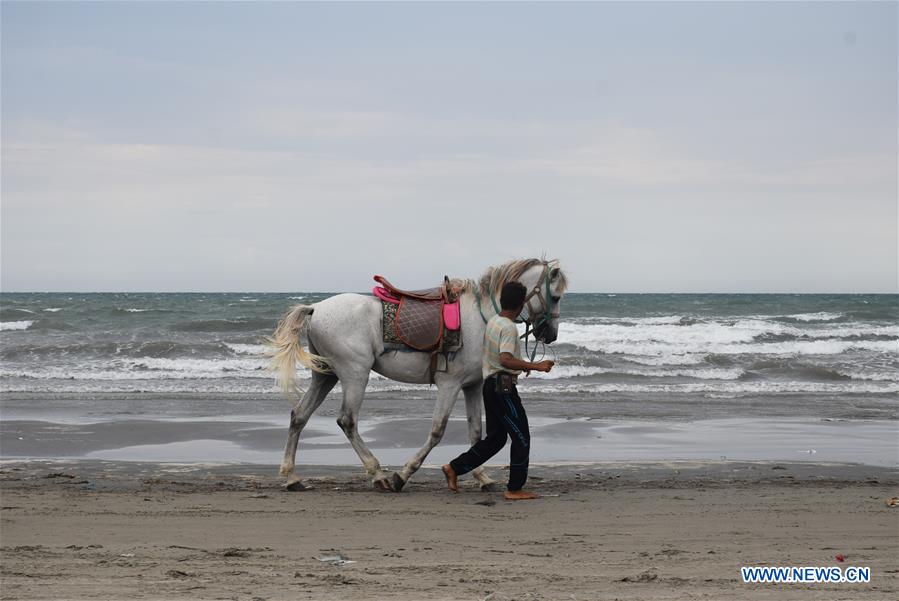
pixel 512 296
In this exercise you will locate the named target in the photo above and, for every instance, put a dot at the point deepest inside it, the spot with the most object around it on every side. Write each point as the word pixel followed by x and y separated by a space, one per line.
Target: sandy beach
pixel 117 530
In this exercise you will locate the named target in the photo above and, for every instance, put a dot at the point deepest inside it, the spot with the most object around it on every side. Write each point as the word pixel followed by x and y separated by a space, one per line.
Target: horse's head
pixel 546 284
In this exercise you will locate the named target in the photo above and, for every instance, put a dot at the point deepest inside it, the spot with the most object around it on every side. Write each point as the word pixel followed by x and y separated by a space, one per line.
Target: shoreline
pixel 260 438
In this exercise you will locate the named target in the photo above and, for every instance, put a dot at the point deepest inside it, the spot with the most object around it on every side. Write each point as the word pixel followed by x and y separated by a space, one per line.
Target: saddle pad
pixel 419 323
pixel 388 325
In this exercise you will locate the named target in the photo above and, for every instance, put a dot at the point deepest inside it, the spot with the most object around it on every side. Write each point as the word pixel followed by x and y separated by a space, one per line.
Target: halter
pixel 548 310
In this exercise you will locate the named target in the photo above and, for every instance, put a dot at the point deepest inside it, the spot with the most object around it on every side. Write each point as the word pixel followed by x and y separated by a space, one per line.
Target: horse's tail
pixel 285 349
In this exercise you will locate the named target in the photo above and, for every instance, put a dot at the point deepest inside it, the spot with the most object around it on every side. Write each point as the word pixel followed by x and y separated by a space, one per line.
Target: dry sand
pixel 107 530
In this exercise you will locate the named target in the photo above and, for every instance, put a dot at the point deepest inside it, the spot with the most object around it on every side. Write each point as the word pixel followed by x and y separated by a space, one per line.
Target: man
pixel 502 405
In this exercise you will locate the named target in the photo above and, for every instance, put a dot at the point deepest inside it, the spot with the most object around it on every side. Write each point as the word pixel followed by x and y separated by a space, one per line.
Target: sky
pixel 650 147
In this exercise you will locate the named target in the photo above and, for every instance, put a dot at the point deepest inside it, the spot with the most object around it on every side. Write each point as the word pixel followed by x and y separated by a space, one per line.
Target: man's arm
pixel 509 361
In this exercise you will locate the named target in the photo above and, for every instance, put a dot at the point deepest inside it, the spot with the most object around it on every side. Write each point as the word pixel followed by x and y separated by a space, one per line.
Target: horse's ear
pixel 553 273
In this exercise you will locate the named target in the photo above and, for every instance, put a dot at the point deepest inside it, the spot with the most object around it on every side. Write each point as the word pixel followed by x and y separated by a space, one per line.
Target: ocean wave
pixel 667 359
pixel 53 309
pixel 110 350
pixel 15 325
pixel 741 336
pixel 150 368
pixel 877 376
pixel 12 312
pixel 709 389
pixel 819 316
pixel 633 321
pixel 711 386
pixel 673 353
pixel 246 349
pixel 575 371
pixel 297 297
pixel 195 366
pixel 226 325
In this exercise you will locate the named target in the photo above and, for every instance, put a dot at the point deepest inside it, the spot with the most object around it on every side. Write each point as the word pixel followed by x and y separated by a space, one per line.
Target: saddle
pixel 421 318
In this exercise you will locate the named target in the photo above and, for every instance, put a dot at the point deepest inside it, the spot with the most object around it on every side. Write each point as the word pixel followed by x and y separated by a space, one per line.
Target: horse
pixel 345 341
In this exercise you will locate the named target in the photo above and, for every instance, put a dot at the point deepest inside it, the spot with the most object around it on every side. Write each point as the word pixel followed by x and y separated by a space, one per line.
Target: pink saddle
pixel 384 295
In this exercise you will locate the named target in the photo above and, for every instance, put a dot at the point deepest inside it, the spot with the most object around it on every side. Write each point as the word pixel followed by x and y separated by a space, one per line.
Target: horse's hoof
pixel 383 485
pixel 397 482
pixel 489 487
pixel 296 486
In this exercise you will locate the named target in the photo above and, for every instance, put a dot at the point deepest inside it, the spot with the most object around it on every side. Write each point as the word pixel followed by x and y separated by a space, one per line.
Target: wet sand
pixel 116 530
pixel 260 439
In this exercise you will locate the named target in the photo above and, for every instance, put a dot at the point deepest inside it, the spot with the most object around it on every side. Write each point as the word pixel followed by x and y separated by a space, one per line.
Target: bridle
pixel 547 310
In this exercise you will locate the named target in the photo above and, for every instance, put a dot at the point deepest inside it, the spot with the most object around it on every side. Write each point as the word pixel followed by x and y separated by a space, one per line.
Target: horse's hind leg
pixel 474 405
pixel 318 389
pixel 353 394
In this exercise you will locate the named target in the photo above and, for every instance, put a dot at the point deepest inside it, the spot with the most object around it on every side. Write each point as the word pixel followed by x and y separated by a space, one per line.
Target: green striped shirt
pixel 501 336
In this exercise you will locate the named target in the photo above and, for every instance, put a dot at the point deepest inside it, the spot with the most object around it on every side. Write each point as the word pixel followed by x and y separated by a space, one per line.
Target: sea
pixel 666 360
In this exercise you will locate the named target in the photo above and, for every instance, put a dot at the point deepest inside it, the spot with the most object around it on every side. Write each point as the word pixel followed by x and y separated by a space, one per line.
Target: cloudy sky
pixel 676 147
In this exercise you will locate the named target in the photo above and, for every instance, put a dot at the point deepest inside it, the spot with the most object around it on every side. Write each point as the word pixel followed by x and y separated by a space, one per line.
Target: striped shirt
pixel 501 336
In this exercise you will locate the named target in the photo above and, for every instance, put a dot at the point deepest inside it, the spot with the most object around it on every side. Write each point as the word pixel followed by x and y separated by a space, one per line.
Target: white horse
pixel 346 343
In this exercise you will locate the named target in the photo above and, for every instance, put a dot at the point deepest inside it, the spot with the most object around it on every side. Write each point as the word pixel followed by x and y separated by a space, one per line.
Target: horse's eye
pixel 556 299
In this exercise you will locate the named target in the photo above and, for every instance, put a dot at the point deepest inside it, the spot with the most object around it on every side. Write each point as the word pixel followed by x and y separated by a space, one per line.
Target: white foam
pixel 876 376
pixel 695 334
pixel 53 309
pixel 297 297
pixel 15 325
pixel 247 349
pixel 717 388
pixel 154 368
pixel 708 388
pixel 819 316
pixel 131 310
pixel 574 371
pixel 673 341
pixel 668 359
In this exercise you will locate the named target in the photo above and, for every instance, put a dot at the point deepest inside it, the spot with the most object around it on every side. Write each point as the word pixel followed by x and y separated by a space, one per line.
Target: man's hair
pixel 512 296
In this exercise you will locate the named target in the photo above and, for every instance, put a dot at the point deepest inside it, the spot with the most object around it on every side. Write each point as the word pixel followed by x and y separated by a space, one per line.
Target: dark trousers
pixel 505 418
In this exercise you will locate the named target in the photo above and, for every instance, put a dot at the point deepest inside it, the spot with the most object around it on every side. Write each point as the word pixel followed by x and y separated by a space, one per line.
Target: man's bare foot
pixel 450 474
pixel 520 495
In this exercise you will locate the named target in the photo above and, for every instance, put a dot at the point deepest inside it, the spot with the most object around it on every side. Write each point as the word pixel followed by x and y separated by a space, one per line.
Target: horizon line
pixel 369 293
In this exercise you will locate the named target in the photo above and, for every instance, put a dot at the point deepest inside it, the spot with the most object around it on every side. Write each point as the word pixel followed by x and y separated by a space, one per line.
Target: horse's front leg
pixel 447 391
pixel 474 405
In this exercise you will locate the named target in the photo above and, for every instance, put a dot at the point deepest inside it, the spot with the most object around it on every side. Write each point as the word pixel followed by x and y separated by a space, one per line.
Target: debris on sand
pixel 894 502
pixel 179 574
pixel 298 486
pixel 647 576
pixel 337 559
pixel 486 502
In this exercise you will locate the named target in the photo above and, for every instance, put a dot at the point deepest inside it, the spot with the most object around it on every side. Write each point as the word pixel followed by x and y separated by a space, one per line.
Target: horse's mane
pixel 494 278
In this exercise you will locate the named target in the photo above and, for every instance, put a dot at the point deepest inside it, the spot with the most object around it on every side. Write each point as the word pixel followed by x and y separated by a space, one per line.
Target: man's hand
pixel 545 365
pixel 509 361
